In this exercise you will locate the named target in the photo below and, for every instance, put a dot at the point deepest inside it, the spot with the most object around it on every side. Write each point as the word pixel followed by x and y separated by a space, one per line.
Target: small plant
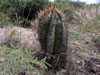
pixel 20 61
pixel 66 7
pixel 26 23
pixel 96 41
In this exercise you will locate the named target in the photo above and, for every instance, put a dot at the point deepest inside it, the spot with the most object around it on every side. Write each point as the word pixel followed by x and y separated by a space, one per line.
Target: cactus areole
pixel 52 36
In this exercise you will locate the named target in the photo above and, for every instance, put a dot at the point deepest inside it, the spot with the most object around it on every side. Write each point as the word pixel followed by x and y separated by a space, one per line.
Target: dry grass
pixel 20 37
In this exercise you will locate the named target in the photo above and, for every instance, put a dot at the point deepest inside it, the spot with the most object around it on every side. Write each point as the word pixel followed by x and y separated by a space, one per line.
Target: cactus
pixel 53 36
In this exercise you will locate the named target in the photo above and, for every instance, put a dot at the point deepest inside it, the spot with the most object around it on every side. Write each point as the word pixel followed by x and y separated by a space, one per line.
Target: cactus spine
pixel 52 36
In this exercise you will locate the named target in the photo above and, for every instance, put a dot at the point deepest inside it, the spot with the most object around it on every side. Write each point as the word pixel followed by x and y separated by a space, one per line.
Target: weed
pixel 20 61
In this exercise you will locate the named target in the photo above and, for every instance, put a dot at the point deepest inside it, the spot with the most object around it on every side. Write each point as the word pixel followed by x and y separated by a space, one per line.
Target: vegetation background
pixel 18 38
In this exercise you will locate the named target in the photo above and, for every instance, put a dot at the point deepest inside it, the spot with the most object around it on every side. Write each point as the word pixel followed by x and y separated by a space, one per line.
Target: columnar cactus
pixel 53 35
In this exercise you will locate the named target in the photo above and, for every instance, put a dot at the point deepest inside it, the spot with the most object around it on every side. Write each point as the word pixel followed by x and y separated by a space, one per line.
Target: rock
pixel 2 59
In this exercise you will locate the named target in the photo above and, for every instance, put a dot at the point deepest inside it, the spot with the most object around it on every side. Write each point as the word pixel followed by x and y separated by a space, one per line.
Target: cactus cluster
pixel 53 36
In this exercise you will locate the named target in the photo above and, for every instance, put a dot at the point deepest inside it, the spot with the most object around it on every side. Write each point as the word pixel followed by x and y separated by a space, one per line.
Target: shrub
pixel 78 4
pixel 25 9
pixel 4 19
pixel 32 7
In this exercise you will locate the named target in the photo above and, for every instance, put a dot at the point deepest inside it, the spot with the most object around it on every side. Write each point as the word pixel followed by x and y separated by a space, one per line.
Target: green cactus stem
pixel 52 36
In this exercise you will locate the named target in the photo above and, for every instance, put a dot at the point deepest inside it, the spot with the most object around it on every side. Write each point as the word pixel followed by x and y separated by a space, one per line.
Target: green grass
pixel 66 7
pixel 96 41
pixel 76 36
pixel 20 60
pixel 90 25
pixel 4 20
